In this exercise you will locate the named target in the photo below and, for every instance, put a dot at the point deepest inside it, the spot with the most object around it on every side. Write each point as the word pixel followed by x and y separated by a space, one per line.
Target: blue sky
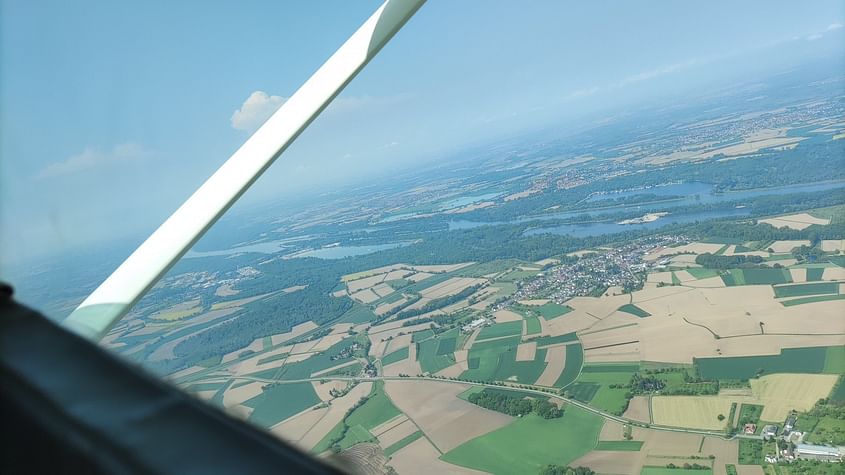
pixel 113 112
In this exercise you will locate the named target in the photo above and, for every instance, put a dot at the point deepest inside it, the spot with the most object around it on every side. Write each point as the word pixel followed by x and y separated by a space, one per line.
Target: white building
pixel 818 452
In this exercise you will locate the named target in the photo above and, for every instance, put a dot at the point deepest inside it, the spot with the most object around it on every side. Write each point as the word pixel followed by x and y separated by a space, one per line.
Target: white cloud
pixel 92 158
pixel 834 26
pixel 651 74
pixel 582 93
pixel 257 108
pixel 814 37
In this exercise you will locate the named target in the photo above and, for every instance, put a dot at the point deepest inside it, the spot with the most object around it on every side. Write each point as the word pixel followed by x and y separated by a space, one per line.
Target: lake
pixel 692 193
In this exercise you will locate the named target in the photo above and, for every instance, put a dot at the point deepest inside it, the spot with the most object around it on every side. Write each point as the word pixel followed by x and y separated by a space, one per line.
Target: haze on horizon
pixel 111 117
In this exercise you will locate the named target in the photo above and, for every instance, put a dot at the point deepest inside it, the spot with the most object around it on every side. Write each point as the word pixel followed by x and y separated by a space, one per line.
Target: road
pixel 573 402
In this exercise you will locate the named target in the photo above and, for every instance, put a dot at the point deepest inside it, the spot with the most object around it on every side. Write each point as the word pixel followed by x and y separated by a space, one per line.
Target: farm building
pixel 789 425
pixel 818 452
pixel 770 431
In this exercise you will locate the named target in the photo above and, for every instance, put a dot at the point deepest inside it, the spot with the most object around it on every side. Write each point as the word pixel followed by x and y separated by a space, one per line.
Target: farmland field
pixel 702 273
pixel 280 401
pixel 634 310
pixel 419 336
pixel 799 290
pixel 750 452
pixel 835 360
pixel 791 360
pixel 357 314
pixel 495 344
pixel 532 325
pixel 430 360
pixel 395 356
pixel 552 310
pixel 583 392
pixel 815 298
pixel 814 274
pixel 654 470
pixel 574 361
pixel 554 340
pixel 500 330
pixel 376 410
pixel 388 451
pixel 319 362
pixel 757 277
pixel 623 445
pixel 594 383
pixel 554 441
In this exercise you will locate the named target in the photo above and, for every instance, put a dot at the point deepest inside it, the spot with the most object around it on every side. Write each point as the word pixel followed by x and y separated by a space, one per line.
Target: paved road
pixel 603 414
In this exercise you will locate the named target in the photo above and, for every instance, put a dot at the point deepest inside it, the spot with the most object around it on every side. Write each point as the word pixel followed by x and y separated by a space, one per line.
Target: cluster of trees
pixel 514 405
pixel 439 303
pixel 712 261
pixel 273 315
pixel 645 384
pixel 561 470
pixel 689 466
pixel 809 253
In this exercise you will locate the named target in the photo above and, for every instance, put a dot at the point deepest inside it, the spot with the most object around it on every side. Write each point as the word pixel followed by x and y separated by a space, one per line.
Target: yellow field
pixel 778 393
pixel 697 412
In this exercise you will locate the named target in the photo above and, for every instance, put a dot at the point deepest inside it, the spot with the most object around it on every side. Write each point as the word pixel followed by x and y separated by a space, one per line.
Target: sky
pixel 113 112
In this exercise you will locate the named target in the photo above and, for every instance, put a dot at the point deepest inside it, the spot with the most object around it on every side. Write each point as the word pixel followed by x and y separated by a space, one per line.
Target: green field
pixel 594 383
pixel 554 340
pixel 446 345
pixel 620 445
pixel 750 452
pixel 376 410
pixel 828 430
pixel 388 451
pixel 395 356
pixel 350 370
pixel 834 360
pixel 430 360
pixel 757 277
pixel 838 393
pixel 431 281
pixel 730 469
pixel 816 298
pixel 357 314
pixel 702 273
pixel 574 361
pixel 653 470
pixel 584 392
pixel 532 325
pixel 814 274
pixel 799 290
pixel 611 368
pixel 749 414
pixel 318 362
pixel 499 330
pixel 495 360
pixel 634 310
pixel 485 268
pixel 517 275
pixel 423 335
pixel 276 357
pixel 529 443
pixel 280 401
pixel 552 310
pixel 791 360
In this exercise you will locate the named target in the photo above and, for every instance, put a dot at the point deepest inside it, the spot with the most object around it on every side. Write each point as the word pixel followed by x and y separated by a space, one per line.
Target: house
pixel 771 458
pixel 750 428
pixel 789 424
pixel 818 452
pixel 770 432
